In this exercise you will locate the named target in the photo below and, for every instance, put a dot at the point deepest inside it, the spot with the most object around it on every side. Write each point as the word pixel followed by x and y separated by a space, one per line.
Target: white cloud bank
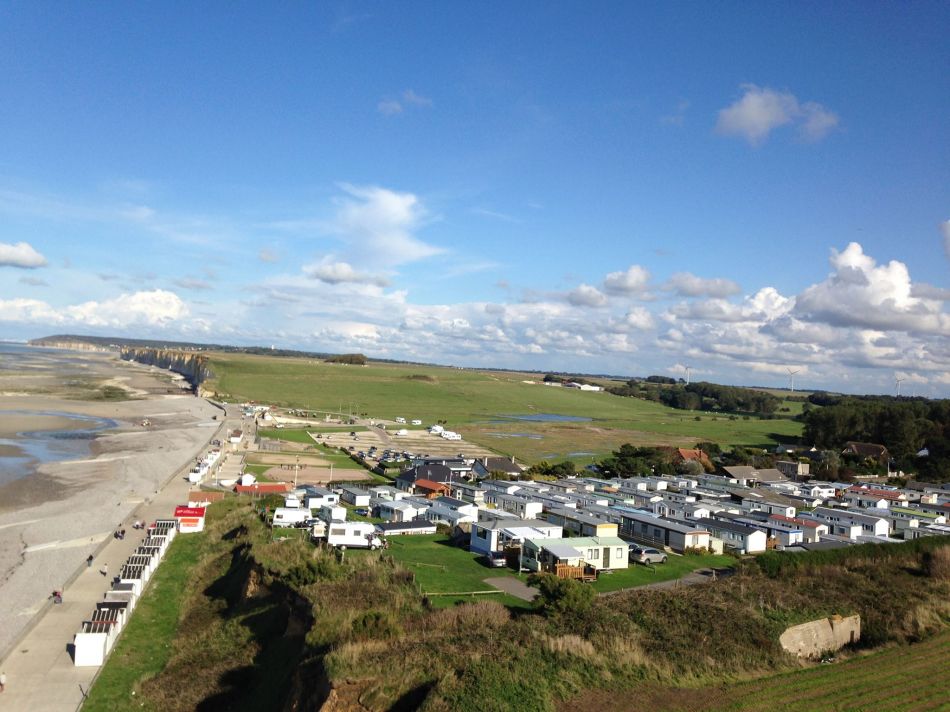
pixel 761 110
pixel 155 308
pixel 21 255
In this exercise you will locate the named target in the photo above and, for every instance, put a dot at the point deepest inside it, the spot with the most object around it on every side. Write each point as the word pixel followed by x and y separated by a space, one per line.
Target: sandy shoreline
pixel 51 520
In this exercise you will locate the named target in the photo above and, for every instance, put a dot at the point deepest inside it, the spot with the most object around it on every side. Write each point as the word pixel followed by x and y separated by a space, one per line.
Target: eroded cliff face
pixel 66 343
pixel 194 366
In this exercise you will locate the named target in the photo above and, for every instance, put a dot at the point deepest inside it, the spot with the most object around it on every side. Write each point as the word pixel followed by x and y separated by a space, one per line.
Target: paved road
pixel 40 673
pixel 515 587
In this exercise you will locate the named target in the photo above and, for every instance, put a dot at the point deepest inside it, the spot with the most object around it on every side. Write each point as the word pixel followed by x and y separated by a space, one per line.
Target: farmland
pixel 901 678
pixel 477 402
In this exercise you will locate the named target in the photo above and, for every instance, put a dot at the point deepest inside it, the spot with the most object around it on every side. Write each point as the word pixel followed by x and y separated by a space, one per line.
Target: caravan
pixel 291 516
pixel 352 535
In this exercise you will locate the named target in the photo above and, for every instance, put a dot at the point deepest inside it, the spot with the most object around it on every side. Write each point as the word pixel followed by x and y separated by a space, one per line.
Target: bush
pixel 561 596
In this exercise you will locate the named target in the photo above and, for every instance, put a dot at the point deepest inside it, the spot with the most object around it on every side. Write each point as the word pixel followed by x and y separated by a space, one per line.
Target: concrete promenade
pixel 40 673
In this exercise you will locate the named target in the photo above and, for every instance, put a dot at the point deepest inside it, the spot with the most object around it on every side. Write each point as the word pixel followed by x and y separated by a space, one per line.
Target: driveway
pixel 511 585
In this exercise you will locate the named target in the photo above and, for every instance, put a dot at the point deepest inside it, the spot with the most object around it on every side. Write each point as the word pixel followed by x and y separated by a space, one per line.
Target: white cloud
pixel 816 121
pixel 761 110
pixel 392 107
pixel 861 293
pixel 634 280
pixel 330 272
pixel 379 225
pixel 20 255
pixel 267 255
pixel 410 97
pixel 155 308
pixel 389 107
pixel 586 296
pixel 686 284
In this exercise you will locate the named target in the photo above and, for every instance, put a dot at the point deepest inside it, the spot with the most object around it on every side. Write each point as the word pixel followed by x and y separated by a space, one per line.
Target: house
pixel 405 528
pixel 430 489
pixel 580 523
pixel 396 511
pixel 649 528
pixel 793 469
pixel 873 498
pixel 738 537
pixel 469 492
pixel 811 530
pixel 596 553
pixel 847 523
pixel 867 451
pixel 484 466
pixel 515 504
pixel 492 537
pixel 433 472
pixel 316 497
pixel 355 496
pixel 681 455
pixel 451 511
pixel 747 476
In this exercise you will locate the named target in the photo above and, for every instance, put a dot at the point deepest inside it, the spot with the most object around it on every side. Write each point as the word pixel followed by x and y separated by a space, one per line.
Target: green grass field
pixel 675 567
pixel 899 679
pixel 475 402
pixel 441 568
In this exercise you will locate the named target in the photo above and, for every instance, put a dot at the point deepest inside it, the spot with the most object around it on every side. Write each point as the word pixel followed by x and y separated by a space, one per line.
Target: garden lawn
pixel 440 567
pixel 675 567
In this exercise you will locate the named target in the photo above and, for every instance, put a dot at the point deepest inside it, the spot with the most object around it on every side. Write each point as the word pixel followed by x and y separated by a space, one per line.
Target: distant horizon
pixel 554 372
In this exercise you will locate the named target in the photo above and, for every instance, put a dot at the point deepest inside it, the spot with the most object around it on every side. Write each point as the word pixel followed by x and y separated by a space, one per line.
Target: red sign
pixel 189 512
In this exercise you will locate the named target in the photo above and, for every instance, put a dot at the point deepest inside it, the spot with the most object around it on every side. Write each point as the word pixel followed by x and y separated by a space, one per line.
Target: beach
pixel 60 512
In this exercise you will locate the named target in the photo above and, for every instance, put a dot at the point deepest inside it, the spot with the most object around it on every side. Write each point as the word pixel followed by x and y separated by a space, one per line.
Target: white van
pixel 353 535
pixel 401 420
pixel 290 516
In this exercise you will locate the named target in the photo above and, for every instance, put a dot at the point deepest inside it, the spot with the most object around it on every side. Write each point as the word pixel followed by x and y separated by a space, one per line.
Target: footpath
pixel 40 673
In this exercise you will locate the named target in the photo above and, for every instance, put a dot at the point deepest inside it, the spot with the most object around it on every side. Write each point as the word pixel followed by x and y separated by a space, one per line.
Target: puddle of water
pixel 530 436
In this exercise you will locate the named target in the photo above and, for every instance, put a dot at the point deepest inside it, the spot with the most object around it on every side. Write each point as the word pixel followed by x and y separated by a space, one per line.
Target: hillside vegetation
pixel 476 403
pixel 280 625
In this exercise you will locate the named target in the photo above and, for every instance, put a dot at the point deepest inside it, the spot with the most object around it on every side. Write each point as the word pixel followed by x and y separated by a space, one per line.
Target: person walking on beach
pixel 89 561
pixel 104 570
pixel 3 681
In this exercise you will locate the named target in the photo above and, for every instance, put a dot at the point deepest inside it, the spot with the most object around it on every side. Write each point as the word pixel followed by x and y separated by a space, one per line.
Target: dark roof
pixel 728 526
pixel 866 449
pixel 402 526
pixel 436 473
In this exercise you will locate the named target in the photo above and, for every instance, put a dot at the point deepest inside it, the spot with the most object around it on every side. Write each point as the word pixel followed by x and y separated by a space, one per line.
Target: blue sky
pixel 627 188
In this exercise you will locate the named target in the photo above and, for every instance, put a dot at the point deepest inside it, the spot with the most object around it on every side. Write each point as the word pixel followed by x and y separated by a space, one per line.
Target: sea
pixel 29 449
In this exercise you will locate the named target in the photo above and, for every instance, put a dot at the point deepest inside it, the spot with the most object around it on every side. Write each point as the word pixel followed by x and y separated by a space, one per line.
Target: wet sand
pixel 52 519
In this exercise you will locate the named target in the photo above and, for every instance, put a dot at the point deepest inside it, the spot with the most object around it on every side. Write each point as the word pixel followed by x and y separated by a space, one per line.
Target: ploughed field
pixel 476 403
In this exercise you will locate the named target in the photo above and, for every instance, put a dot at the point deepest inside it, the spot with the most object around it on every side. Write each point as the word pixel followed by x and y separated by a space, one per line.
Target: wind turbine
pixel 688 369
pixel 897 383
pixel 791 378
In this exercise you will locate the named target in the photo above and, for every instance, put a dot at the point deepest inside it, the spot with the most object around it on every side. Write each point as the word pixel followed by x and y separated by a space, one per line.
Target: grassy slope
pixel 895 679
pixel 468 399
pixel 143 649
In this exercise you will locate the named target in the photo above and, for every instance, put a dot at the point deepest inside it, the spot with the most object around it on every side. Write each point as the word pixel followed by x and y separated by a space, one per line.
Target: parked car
pixel 646 555
pixel 496 560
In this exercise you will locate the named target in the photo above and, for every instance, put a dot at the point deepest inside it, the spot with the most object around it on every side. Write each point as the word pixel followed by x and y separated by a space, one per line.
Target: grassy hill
pixel 475 403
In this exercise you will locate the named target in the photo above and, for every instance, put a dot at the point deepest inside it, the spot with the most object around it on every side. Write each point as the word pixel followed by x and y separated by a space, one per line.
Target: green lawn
pixel 470 400
pixel 442 568
pixel 674 568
